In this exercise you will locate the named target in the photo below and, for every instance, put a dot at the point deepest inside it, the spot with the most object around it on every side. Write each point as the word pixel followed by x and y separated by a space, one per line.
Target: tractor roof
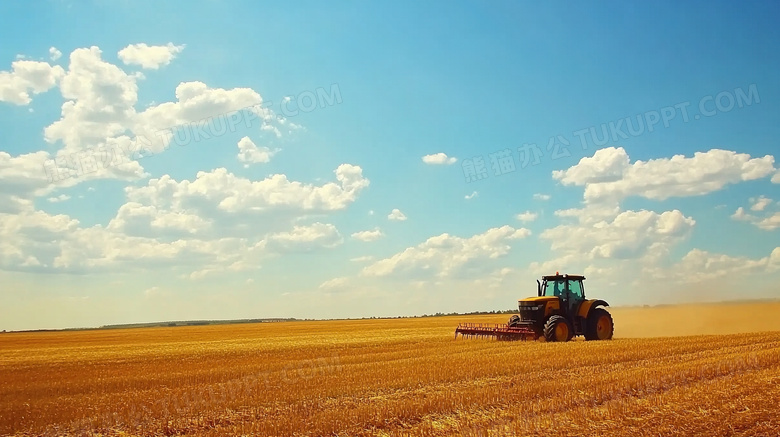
pixel 562 277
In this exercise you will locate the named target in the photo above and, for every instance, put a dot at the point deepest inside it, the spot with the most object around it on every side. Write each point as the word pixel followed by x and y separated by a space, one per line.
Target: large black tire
pixel 514 320
pixel 600 325
pixel 558 328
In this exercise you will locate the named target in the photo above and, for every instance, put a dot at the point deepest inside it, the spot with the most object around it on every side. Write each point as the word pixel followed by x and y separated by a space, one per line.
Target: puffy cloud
pixel 35 240
pixel 769 222
pixel 496 279
pixel 100 100
pixel 31 175
pixel 396 215
pixel 60 198
pixel 206 225
pixel 539 196
pixel 196 101
pixel 740 214
pixel 27 239
pixel 608 174
pixel 304 239
pixel 438 159
pixel 25 77
pixel 99 113
pixel 249 152
pixel 446 254
pixel 527 216
pixel 368 236
pixel 25 177
pixel 220 192
pixel 760 204
pixel 54 54
pixel 133 218
pixel 149 57
pixel 699 265
pixel 628 235
pixel 591 213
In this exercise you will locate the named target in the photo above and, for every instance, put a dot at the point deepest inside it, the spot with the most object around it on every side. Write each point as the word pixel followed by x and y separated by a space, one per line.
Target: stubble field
pixel 717 374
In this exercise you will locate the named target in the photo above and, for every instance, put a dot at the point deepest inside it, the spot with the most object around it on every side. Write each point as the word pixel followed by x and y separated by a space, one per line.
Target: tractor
pixel 559 312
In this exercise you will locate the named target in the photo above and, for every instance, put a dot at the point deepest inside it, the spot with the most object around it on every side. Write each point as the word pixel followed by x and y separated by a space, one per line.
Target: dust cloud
pixel 696 319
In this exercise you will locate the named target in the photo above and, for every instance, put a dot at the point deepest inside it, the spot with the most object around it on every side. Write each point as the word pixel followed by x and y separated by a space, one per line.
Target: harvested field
pixel 400 377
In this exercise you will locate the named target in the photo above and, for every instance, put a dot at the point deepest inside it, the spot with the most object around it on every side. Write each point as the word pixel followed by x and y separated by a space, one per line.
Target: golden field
pixel 716 374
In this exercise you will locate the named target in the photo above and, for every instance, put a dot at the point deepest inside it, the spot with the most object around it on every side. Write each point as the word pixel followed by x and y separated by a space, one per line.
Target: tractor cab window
pixel 554 288
pixel 575 287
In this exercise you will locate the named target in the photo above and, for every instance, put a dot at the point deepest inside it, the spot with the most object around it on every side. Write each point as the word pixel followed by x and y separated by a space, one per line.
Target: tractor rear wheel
pixel 558 328
pixel 600 325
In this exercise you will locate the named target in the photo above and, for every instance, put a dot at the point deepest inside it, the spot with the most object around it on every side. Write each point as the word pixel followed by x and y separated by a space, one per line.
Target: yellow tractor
pixel 559 312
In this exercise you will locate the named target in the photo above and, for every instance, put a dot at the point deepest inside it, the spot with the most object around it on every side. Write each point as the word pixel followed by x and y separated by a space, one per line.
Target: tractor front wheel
pixel 558 328
pixel 600 325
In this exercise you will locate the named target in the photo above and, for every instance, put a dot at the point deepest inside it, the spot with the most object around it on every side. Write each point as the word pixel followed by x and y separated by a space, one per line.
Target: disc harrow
pixel 497 331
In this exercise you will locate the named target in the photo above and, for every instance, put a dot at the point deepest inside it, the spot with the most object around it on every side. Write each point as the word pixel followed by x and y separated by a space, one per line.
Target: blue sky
pixel 288 214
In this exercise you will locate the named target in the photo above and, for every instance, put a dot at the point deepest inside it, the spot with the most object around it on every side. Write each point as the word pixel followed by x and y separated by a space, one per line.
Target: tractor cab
pixel 568 288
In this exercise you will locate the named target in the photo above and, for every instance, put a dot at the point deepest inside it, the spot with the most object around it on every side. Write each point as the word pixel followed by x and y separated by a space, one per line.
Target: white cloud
pixel 471 196
pixel 361 259
pixel 60 198
pixel 527 216
pixel 776 178
pixel 335 284
pixel 220 192
pixel 397 215
pixel 539 196
pixel 627 235
pixel 304 239
pixel 249 152
pixel 495 279
pixel 368 236
pixel 196 101
pixel 591 213
pixel 439 159
pixel 26 77
pixel 133 218
pixel 26 177
pixel 99 119
pixel 149 57
pixel 54 54
pixel 769 222
pixel 609 175
pixel 699 265
pixel 99 111
pixel 35 240
pixel 100 100
pixel 445 254
pixel 740 214
pixel 760 204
